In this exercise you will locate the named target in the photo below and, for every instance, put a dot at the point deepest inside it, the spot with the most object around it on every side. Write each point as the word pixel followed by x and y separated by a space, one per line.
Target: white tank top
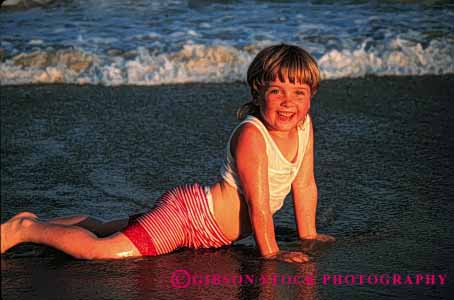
pixel 281 172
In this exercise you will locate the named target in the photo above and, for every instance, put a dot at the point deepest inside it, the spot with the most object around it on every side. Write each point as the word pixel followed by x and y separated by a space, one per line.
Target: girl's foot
pixel 10 230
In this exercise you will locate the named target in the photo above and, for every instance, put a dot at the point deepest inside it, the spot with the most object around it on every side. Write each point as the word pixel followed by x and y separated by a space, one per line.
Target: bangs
pixel 291 67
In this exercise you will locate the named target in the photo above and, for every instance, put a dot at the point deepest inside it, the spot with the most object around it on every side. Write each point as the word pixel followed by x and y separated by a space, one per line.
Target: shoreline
pixel 323 80
pixel 330 89
pixel 230 95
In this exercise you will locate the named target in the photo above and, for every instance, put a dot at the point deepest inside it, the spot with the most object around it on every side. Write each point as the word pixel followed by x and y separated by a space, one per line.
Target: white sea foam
pixel 201 63
pixel 36 42
pixel 399 57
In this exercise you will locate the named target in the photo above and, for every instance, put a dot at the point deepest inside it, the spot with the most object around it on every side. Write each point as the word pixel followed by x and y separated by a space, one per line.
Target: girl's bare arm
pixel 304 190
pixel 249 150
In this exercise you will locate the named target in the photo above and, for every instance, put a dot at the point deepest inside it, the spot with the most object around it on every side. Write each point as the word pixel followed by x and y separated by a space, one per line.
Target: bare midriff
pixel 230 211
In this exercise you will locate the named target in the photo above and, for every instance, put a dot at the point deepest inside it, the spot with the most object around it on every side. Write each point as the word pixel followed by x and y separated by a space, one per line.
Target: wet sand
pixel 383 164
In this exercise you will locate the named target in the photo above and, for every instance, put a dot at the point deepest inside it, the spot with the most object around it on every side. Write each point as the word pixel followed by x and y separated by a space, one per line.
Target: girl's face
pixel 283 105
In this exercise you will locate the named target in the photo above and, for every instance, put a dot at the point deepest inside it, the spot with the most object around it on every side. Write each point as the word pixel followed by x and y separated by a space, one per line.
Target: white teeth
pixel 285 113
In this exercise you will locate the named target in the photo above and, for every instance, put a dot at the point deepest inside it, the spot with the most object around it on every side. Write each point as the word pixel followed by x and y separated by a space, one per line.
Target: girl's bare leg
pixel 73 240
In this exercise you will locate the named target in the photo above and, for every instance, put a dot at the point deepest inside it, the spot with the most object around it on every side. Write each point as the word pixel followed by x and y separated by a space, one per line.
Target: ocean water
pixel 112 42
pixel 383 165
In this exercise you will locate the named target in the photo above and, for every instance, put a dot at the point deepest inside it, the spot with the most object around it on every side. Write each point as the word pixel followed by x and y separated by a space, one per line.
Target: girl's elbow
pixel 259 214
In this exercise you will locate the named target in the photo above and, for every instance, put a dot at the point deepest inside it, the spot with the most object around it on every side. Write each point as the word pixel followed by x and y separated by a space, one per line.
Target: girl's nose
pixel 285 100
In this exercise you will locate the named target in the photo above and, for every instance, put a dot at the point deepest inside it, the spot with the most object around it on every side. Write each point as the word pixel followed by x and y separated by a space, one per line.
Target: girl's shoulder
pixel 247 135
pixel 252 125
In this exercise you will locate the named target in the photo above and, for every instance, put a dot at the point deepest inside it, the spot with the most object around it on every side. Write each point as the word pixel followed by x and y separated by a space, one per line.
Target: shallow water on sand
pixel 382 164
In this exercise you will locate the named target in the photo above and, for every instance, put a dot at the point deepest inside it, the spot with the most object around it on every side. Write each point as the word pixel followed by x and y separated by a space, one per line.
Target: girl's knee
pixel 116 246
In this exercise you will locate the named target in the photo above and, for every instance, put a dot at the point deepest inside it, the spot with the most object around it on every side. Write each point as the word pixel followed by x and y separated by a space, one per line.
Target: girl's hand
pixel 290 257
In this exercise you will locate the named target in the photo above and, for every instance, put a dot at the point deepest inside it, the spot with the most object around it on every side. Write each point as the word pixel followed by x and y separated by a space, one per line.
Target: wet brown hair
pixel 281 61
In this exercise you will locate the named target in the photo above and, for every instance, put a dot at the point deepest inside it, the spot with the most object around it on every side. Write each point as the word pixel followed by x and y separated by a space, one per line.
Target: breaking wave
pixel 202 63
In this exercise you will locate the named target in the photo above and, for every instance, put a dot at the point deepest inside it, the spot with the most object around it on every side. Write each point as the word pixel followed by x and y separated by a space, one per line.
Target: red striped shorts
pixel 180 218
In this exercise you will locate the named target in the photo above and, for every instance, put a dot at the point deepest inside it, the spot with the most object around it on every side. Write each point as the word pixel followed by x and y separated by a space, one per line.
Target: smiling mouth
pixel 285 114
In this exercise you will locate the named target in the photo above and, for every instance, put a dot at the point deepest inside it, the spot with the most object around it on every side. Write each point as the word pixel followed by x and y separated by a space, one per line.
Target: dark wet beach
pixel 383 165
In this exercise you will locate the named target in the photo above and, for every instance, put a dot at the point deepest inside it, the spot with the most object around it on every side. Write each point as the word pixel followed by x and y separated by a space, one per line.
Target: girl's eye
pixel 300 93
pixel 274 91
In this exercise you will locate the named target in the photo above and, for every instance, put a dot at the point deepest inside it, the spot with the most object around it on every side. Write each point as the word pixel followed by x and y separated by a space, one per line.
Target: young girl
pixel 269 154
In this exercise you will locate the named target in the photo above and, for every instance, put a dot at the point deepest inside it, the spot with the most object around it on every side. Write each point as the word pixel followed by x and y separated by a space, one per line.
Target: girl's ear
pixel 258 101
pixel 260 98
pixel 313 94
